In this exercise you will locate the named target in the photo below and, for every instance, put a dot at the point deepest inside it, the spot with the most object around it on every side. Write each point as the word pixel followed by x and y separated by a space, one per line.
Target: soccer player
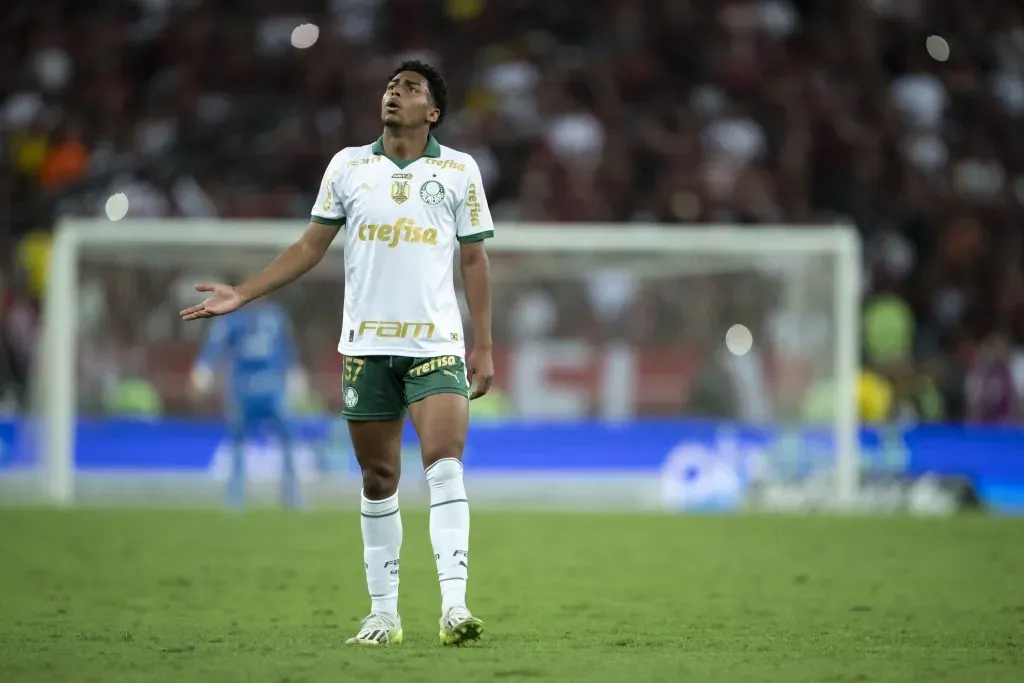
pixel 257 347
pixel 404 201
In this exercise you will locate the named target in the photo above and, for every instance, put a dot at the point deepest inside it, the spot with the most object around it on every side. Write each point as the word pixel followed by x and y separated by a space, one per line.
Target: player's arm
pixel 476 277
pixel 473 227
pixel 293 262
pixel 326 220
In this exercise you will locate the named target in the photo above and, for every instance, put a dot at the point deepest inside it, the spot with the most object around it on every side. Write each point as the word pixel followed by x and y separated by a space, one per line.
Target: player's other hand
pixel 480 366
pixel 222 300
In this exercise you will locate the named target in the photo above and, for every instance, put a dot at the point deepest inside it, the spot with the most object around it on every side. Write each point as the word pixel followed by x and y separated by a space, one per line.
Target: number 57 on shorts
pixel 382 387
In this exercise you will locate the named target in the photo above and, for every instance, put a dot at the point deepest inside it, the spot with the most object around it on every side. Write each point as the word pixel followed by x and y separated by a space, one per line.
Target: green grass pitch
pixel 189 596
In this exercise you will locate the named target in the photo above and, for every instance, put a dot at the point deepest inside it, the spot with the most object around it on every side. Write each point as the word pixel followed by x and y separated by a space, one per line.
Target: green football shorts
pixel 382 387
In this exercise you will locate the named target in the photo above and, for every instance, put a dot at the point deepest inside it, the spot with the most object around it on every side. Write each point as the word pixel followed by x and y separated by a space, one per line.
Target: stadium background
pixel 679 112
pixel 675 112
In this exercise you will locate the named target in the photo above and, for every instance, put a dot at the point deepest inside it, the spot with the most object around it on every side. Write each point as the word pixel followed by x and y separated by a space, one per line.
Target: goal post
pixel 820 265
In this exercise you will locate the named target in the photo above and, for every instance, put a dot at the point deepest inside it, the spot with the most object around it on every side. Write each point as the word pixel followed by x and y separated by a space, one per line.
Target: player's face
pixel 407 102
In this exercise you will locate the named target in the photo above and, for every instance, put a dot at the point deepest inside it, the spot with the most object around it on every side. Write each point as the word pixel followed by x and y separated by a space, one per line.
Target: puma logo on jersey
pixel 455 376
pixel 368 188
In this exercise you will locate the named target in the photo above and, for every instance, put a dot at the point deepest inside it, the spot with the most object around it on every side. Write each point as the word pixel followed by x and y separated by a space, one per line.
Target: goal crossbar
pixel 531 237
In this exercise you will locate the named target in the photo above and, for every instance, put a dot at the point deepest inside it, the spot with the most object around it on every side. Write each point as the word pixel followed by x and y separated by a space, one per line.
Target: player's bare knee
pixel 448 449
pixel 380 481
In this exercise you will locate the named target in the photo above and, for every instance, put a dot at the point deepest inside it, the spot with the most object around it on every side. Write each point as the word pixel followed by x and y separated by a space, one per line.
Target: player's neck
pixel 405 144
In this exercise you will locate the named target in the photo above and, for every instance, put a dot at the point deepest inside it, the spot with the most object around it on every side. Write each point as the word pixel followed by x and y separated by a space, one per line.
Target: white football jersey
pixel 401 223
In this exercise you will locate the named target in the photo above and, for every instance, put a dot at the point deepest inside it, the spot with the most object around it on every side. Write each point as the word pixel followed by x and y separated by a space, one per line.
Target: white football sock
pixel 381 524
pixel 449 530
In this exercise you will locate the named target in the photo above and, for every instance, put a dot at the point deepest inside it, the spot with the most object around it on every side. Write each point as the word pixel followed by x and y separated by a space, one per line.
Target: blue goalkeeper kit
pixel 255 350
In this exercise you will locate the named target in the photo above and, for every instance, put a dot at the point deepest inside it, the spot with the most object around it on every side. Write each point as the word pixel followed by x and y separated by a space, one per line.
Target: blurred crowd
pixel 903 117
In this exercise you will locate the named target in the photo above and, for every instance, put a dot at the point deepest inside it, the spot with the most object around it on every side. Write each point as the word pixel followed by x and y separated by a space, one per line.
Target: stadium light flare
pixel 937 47
pixel 739 340
pixel 116 207
pixel 305 36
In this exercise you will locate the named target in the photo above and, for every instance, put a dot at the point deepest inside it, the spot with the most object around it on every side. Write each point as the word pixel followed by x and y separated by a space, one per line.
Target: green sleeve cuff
pixel 476 237
pixel 335 222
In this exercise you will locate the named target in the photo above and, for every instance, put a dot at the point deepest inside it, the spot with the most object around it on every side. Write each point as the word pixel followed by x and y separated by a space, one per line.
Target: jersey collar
pixel 433 149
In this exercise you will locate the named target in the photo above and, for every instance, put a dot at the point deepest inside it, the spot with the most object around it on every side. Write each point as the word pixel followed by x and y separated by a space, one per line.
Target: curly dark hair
pixel 435 83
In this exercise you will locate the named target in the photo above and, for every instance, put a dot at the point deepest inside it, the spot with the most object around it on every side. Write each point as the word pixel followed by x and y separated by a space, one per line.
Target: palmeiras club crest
pixel 351 397
pixel 432 192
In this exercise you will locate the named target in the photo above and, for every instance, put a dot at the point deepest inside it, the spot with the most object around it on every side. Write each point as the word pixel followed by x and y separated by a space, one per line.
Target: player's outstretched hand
pixel 222 300
pixel 481 368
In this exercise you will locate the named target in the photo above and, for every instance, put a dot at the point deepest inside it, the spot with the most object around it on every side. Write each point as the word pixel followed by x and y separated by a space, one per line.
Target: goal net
pixel 645 366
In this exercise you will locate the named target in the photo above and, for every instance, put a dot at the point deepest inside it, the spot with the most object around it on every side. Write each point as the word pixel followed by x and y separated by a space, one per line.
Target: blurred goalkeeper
pixel 255 350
